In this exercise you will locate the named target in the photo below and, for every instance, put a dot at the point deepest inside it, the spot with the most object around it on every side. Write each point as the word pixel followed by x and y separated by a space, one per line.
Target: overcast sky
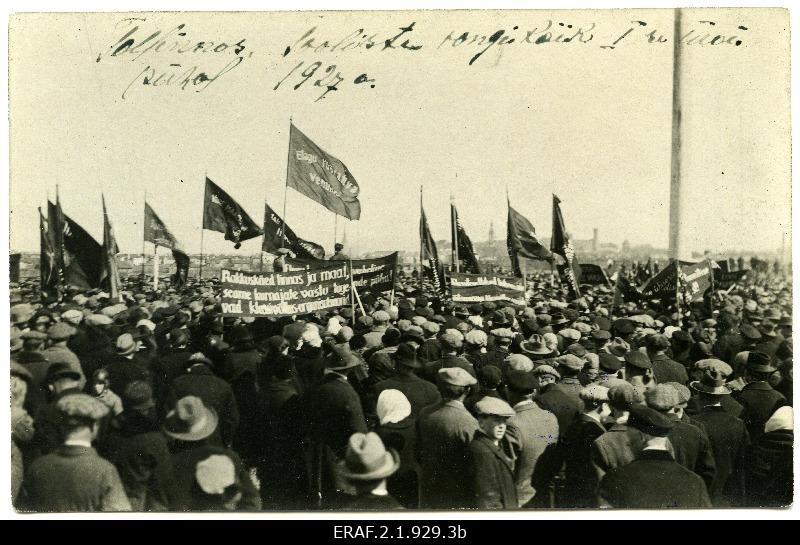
pixel 590 123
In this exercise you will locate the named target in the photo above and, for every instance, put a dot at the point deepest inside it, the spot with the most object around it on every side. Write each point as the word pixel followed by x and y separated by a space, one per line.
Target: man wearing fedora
pixel 758 398
pixel 199 381
pixel 653 480
pixel 74 477
pixel 127 366
pixel 191 424
pixel 492 457
pixel 419 392
pixel 727 434
pixel 444 431
pixel 333 413
pixel 366 466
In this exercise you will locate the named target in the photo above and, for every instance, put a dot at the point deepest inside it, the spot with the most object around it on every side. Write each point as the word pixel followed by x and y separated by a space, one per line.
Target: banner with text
pixel 477 288
pixel 374 275
pixel 285 294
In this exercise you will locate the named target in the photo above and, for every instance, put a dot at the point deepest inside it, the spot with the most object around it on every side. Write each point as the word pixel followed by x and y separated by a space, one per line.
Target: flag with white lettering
pixel 468 263
pixel 275 229
pixel 431 266
pixel 321 177
pixel 561 244
pixel 695 280
pixel 223 214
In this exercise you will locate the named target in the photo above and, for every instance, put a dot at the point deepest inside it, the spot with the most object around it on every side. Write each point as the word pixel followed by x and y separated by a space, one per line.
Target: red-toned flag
pixel 223 214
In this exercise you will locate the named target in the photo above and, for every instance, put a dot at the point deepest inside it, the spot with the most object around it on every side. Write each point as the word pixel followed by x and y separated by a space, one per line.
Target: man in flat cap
pixel 727 434
pixel 654 480
pixel 639 369
pixel 32 358
pixel 536 430
pixel 58 335
pixel 450 342
pixel 580 486
pixel 491 457
pixel 621 443
pixel 379 325
pixel 444 432
pixel 664 369
pixel 74 477
pixel 570 367
pixel 758 397
pixel 564 406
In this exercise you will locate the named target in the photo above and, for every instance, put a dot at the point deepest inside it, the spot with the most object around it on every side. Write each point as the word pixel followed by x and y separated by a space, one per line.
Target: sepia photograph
pixel 453 260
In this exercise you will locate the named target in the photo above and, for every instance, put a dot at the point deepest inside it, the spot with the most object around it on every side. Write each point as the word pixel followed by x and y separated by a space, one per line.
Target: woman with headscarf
pixel 769 470
pixel 397 430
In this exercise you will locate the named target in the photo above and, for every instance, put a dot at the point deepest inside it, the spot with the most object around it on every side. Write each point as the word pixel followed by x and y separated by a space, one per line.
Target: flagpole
pixel 352 296
pixel 286 184
pixel 155 266
pixel 420 238
pixel 335 229
pixel 202 227
pixel 144 230
pixel 454 223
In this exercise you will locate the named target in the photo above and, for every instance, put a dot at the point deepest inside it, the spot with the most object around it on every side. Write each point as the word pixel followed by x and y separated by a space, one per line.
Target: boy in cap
pixel 74 477
pixel 491 457
pixel 536 430
pixel 726 433
pixel 366 466
pixel 444 432
pixel 654 480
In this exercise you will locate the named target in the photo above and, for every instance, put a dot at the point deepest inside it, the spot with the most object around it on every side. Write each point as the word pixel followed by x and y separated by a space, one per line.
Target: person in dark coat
pixel 32 357
pixel 99 347
pixel 664 369
pixel 128 365
pixel 191 425
pixel 397 429
pixel 243 356
pixel 770 465
pixel 621 444
pixel 654 480
pixel 419 392
pixel 727 434
pixel 490 382
pixel 199 381
pixel 171 363
pixel 565 407
pixel 691 447
pixel 450 343
pixel 759 399
pixel 580 486
pixel 309 358
pixel 730 405
pixel 444 432
pixel 279 466
pixel 366 466
pixel 60 381
pixel 730 341
pixel 475 342
pixel 140 451
pixel 431 349
pixel 491 457
pixel 332 412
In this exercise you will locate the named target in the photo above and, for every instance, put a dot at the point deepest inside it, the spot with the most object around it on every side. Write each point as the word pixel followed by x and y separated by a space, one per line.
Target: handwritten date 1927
pixel 329 80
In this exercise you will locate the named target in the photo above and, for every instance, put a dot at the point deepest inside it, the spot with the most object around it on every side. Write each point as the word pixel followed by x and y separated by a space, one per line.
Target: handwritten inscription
pixel 178 58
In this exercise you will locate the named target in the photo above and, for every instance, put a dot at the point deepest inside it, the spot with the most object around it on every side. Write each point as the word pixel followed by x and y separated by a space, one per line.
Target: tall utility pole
pixel 675 166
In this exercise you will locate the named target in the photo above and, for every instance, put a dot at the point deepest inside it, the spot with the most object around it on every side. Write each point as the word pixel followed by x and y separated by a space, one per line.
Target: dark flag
pixel 625 291
pixel 321 177
pixel 109 275
pixel 521 241
pixel 223 214
pixel 594 274
pixel 49 278
pixel 13 266
pixel 467 262
pixel 429 256
pixel 275 229
pixel 561 245
pixel 82 254
pixel 644 272
pixel 725 280
pixel 663 285
pixel 156 231
pixel 726 265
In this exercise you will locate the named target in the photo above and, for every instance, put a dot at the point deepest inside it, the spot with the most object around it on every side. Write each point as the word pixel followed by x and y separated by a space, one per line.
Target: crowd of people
pixel 157 402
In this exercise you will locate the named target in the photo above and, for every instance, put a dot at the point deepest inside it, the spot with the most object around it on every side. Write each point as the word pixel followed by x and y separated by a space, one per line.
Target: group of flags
pixel 70 256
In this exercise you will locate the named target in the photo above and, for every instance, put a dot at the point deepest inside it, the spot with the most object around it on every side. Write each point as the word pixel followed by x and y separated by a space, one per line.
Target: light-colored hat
pixel 456 376
pixel 571 334
pixel 546 370
pixel 191 420
pixel 126 344
pixel 60 331
pixel 571 361
pixel 215 474
pixel 476 337
pixel 98 319
pixel 662 398
pixel 81 407
pixel 146 323
pixel 72 316
pixel 492 406
pixel 381 316
pixel 594 393
pixel 519 362
pixel 367 459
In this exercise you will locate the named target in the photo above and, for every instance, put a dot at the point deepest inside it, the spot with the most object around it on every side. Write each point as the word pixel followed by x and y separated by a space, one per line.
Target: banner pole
pixel 286 185
pixel 352 297
pixel 203 226
pixel 144 230
pixel 155 267
pixel 335 229
pixel 420 238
